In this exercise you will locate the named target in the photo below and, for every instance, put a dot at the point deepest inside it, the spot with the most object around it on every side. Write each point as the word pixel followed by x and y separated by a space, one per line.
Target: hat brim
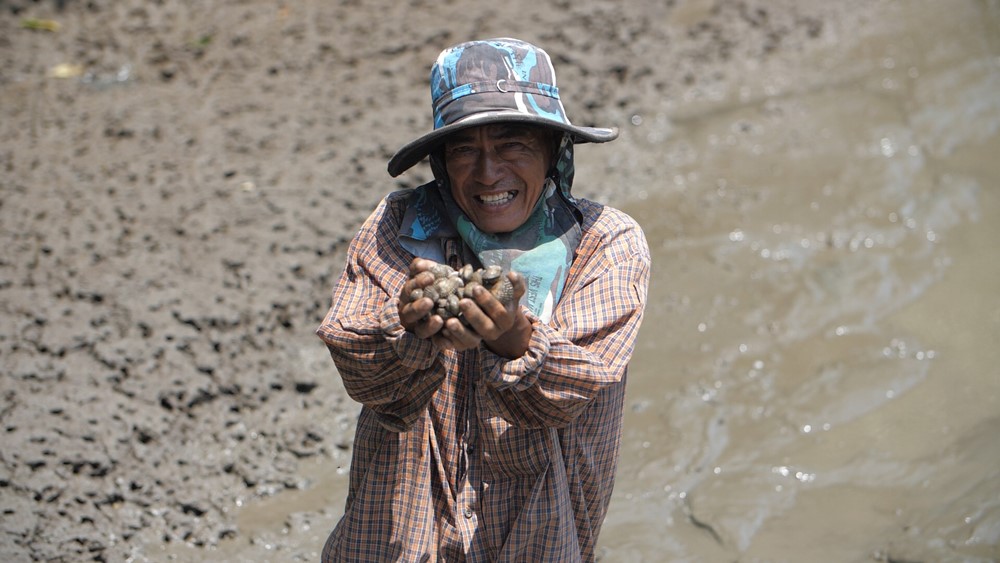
pixel 415 151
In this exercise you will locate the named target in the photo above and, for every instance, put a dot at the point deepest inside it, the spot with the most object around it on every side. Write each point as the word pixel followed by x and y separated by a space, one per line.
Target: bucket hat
pixel 493 81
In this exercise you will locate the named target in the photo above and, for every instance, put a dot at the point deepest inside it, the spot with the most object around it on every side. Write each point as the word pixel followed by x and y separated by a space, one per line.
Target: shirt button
pixel 470 448
pixel 468 512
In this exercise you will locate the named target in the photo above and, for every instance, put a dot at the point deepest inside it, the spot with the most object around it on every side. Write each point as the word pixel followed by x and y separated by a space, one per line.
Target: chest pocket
pixel 511 451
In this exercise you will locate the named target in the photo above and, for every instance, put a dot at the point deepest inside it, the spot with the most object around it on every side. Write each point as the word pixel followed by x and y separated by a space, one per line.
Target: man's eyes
pixel 512 145
pixel 504 147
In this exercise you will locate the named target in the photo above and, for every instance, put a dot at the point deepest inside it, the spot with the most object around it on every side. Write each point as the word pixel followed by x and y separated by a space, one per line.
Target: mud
pixel 180 179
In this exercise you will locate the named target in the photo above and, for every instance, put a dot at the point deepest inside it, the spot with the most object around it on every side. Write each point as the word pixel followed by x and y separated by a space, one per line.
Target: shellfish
pixel 450 285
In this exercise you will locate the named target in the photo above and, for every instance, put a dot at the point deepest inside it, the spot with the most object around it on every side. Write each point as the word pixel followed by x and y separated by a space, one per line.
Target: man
pixel 494 436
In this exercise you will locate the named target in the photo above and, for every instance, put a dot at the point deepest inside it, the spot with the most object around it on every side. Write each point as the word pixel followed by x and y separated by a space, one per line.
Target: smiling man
pixel 497 172
pixel 494 436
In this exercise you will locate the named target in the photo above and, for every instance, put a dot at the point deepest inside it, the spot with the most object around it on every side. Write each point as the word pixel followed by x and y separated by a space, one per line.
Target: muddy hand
pixel 414 307
pixel 501 324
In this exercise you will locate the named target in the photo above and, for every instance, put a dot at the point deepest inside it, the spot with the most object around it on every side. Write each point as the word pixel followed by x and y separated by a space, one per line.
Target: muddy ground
pixel 179 181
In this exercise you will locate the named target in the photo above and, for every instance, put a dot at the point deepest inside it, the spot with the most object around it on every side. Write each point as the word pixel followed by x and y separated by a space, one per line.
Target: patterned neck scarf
pixel 541 249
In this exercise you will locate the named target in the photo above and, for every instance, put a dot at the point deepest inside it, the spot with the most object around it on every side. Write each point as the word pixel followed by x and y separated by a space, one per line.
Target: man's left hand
pixel 503 329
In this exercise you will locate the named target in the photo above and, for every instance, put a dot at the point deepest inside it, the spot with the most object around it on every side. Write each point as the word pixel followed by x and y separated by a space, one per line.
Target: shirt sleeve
pixel 589 342
pixel 383 366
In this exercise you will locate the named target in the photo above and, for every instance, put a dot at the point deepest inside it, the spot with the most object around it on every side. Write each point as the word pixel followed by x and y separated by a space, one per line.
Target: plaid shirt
pixel 468 456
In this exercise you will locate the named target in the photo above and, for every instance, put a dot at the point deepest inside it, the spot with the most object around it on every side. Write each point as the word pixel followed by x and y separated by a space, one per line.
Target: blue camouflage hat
pixel 492 81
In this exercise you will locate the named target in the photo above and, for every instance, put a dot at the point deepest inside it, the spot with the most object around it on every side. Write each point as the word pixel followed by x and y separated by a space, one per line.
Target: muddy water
pixel 816 379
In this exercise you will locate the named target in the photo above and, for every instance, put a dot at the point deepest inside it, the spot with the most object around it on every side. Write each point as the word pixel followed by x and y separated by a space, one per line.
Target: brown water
pixel 816 379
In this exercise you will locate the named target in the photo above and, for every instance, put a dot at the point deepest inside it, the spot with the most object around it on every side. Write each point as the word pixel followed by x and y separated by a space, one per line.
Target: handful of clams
pixel 451 285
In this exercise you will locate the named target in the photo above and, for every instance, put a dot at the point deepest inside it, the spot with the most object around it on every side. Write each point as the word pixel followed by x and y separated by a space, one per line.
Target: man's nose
pixel 489 167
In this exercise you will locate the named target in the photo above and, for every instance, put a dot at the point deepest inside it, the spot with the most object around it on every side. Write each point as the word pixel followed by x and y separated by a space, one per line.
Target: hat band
pixel 496 88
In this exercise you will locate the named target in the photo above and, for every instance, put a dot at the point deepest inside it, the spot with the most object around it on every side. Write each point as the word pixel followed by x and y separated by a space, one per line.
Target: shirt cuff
pixel 413 352
pixel 519 373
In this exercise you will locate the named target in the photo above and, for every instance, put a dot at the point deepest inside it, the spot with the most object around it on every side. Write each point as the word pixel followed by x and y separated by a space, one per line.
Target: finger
pixel 461 333
pixel 442 342
pixel 418 265
pixel 460 336
pixel 482 314
pixel 412 309
pixel 415 317
pixel 502 315
pixel 421 281
pixel 520 286
pixel 429 328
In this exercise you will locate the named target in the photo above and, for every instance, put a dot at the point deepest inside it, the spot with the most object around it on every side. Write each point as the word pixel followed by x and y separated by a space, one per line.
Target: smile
pixel 497 198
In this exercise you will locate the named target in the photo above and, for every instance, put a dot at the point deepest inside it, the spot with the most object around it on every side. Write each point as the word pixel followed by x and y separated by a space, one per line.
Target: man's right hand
pixel 415 315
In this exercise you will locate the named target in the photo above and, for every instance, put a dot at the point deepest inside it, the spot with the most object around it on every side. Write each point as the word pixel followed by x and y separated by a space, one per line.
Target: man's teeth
pixel 494 199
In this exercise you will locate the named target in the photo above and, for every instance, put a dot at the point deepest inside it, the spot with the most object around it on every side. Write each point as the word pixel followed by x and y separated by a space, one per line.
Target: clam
pixel 441 270
pixel 466 272
pixel 451 285
pixel 498 284
pixel 491 274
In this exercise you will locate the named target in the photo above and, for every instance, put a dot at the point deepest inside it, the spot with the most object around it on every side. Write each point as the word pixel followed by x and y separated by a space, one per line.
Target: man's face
pixel 497 172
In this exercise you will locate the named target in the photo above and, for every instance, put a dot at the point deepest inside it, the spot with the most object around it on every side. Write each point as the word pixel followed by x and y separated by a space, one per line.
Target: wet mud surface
pixel 178 183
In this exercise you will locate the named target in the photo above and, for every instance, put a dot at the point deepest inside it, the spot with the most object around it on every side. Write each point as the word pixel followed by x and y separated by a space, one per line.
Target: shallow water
pixel 817 374
pixel 816 378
